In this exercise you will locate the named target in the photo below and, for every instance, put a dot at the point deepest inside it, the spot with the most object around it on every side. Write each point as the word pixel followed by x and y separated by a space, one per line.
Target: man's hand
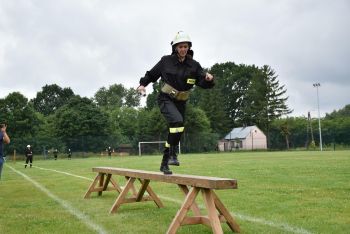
pixel 209 77
pixel 5 136
pixel 3 127
pixel 142 90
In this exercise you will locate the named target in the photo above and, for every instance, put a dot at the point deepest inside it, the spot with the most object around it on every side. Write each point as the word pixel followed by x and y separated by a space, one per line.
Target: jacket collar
pixel 176 61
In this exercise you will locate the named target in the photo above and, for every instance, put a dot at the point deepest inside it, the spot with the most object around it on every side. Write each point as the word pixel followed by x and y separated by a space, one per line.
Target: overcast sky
pixel 88 44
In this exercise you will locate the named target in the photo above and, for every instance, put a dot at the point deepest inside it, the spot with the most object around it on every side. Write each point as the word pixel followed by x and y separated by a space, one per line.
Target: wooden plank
pixel 122 195
pixel 133 199
pixel 212 214
pixel 196 220
pixel 194 207
pixel 190 180
pixel 101 189
pixel 186 205
pixel 222 210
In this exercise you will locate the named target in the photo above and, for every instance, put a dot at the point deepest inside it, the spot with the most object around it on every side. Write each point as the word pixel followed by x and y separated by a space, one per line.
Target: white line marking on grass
pixel 66 173
pixel 81 216
pixel 282 226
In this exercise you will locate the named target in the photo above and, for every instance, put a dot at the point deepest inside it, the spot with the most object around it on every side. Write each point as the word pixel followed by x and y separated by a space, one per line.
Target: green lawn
pixel 278 192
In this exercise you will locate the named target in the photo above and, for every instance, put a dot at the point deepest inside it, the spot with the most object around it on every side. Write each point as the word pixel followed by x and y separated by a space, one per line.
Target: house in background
pixel 244 138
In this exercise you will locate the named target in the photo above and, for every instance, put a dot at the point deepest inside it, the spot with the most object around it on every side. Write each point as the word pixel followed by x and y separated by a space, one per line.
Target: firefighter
pixel 179 72
pixel 55 153
pixel 29 156
pixel 69 154
pixel 109 150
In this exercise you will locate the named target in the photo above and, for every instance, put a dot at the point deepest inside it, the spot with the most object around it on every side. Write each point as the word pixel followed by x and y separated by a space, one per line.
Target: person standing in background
pixel 69 154
pixel 55 153
pixel 29 156
pixel 4 138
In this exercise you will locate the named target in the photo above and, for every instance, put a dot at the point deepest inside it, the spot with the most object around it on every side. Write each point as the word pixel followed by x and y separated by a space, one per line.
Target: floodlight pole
pixel 316 85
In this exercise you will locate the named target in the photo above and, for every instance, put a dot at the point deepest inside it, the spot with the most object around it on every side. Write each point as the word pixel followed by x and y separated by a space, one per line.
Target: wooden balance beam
pixel 190 185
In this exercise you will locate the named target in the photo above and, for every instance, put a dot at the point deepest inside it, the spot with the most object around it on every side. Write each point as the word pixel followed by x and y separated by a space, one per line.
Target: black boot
pixel 165 169
pixel 173 157
pixel 164 165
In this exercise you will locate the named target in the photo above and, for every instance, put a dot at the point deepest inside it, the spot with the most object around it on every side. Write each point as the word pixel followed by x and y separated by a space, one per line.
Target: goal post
pixel 154 142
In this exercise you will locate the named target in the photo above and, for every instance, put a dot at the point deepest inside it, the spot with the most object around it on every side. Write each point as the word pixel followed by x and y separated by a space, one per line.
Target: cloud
pixel 86 45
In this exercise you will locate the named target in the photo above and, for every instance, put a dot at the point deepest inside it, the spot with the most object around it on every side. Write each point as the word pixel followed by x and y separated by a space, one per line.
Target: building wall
pixel 255 140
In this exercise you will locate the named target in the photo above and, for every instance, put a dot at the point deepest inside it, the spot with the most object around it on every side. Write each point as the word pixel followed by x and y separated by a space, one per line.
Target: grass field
pixel 279 192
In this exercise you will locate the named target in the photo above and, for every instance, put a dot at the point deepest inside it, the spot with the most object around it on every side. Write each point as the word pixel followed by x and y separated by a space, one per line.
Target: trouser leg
pixel 1 165
pixel 27 160
pixel 175 132
pixel 174 114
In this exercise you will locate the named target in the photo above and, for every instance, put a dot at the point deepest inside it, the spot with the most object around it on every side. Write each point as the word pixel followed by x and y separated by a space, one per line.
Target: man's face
pixel 182 49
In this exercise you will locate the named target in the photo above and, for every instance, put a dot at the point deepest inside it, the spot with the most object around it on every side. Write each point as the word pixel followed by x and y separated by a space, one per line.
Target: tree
pixel 124 123
pixel 211 101
pixel 285 132
pixel 249 95
pixel 21 118
pixel 152 97
pixel 269 99
pixel 198 136
pixel 116 96
pixel 81 118
pixel 344 112
pixel 151 125
pixel 51 98
pixel 232 81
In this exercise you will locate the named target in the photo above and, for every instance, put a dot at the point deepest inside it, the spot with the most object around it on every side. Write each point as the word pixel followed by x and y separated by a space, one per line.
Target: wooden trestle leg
pixel 217 212
pixel 103 185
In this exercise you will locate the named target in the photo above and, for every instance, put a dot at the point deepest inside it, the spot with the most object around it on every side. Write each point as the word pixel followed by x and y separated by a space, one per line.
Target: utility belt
pixel 178 95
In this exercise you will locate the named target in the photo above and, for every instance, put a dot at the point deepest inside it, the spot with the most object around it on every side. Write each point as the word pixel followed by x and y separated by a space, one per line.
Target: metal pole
pixel 14 156
pixel 139 149
pixel 319 118
pixel 251 132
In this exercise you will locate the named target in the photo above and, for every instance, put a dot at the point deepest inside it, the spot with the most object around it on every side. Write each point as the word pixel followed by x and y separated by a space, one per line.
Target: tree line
pixel 243 95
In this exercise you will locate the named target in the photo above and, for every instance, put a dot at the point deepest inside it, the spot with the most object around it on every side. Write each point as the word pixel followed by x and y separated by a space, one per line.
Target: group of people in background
pixel 28 152
pixel 29 155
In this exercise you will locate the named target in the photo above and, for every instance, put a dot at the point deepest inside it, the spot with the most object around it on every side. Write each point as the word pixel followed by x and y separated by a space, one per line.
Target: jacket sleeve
pixel 200 81
pixel 153 74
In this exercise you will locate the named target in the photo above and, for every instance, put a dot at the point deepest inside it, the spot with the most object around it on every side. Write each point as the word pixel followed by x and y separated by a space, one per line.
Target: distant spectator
pixel 4 138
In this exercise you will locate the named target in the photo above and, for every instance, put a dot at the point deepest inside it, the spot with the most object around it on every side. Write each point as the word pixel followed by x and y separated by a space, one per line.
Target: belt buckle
pixel 173 93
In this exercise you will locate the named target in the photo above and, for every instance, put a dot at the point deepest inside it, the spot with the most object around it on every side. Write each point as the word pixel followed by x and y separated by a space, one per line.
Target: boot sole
pixel 167 172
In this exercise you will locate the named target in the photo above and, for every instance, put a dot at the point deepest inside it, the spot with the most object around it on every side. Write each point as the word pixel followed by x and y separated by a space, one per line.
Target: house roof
pixel 240 133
